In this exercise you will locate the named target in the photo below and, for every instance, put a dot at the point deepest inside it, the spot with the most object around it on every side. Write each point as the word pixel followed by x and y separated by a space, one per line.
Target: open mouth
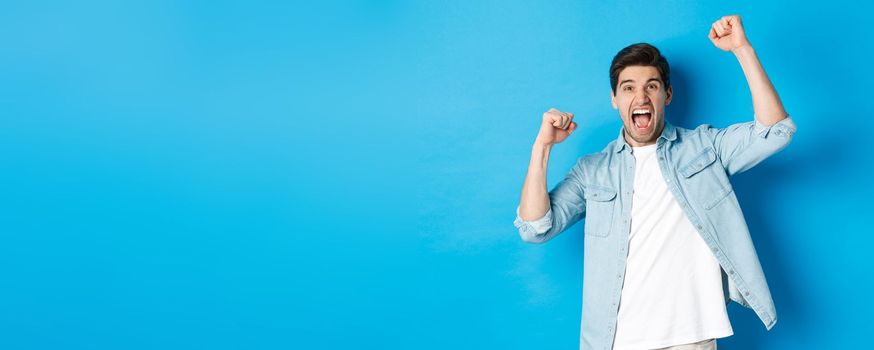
pixel 642 118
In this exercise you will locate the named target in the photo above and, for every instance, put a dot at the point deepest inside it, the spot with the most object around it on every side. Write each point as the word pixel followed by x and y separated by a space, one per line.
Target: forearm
pixel 535 198
pixel 766 104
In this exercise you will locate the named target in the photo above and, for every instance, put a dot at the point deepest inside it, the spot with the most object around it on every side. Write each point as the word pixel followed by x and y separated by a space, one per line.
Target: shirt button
pixel 700 228
pixel 730 272
pixel 619 276
pixel 747 293
pixel 715 249
pixel 661 158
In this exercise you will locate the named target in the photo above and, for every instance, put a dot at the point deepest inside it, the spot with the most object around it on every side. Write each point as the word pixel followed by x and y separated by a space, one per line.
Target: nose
pixel 642 97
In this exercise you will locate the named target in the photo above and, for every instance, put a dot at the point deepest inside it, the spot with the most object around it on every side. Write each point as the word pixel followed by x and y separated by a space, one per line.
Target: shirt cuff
pixel 784 128
pixel 539 226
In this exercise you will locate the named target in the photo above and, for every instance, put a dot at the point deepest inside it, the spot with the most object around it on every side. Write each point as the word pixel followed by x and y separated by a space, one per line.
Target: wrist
pixel 744 49
pixel 541 146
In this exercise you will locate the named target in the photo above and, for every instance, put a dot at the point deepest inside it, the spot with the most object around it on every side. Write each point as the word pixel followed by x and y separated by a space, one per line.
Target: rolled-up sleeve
pixel 567 206
pixel 533 228
pixel 742 146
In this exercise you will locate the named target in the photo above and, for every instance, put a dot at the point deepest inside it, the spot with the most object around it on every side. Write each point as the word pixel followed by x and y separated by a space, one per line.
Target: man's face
pixel 641 98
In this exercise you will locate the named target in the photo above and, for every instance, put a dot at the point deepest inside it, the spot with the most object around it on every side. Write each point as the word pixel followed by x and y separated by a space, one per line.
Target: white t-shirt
pixel 672 292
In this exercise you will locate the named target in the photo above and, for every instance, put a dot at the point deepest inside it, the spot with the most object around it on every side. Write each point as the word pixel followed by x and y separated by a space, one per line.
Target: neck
pixel 631 142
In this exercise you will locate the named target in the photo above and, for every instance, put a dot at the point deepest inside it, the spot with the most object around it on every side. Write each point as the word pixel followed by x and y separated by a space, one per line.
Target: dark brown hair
pixel 640 54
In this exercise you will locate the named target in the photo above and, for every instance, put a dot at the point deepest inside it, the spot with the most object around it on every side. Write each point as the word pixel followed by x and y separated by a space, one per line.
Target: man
pixel 666 245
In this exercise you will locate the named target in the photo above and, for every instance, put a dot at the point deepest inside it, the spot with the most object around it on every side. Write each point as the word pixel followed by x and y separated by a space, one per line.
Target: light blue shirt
pixel 696 164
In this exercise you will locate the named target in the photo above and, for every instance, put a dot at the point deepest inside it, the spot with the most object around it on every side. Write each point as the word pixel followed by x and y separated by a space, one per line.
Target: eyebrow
pixel 632 80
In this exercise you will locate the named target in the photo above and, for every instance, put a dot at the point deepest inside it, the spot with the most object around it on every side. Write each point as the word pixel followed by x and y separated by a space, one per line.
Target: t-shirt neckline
pixel 645 149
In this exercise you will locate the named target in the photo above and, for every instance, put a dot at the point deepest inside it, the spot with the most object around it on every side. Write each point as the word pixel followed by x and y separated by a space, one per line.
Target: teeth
pixel 640 111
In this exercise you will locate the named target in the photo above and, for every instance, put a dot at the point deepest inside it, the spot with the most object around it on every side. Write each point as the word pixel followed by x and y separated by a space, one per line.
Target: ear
pixel 670 93
pixel 613 99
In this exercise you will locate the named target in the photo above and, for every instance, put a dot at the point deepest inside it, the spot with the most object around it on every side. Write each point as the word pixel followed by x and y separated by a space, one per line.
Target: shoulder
pixel 703 133
pixel 592 161
pixel 700 129
pixel 598 157
pixel 710 130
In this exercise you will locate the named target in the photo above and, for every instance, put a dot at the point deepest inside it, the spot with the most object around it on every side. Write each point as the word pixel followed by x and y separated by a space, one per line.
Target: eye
pixel 653 87
pixel 627 88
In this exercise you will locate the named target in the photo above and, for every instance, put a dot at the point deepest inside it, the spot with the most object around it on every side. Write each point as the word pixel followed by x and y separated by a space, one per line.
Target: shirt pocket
pixel 705 180
pixel 600 203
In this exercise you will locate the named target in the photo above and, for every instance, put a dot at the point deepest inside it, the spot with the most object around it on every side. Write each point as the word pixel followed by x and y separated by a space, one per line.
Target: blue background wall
pixel 244 175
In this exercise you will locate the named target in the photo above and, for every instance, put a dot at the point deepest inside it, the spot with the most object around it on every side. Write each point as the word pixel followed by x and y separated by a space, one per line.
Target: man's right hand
pixel 556 127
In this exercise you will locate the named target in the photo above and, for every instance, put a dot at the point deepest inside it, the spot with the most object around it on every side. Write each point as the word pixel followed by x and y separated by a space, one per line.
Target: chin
pixel 643 138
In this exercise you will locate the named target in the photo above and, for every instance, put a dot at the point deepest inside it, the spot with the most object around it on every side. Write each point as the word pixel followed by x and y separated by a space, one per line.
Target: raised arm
pixel 741 146
pixel 542 215
pixel 728 34
pixel 555 127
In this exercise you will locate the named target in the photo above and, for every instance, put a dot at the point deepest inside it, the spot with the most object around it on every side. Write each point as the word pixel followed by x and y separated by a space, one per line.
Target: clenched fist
pixel 556 127
pixel 727 33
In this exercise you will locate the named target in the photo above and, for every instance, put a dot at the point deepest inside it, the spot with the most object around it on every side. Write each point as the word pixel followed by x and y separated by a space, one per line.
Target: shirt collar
pixel 669 133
